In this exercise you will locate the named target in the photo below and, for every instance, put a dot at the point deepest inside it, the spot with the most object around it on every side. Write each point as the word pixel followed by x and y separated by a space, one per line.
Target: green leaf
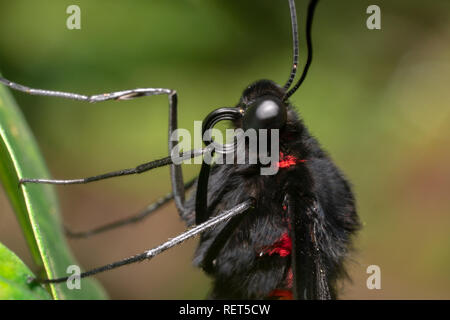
pixel 13 279
pixel 36 206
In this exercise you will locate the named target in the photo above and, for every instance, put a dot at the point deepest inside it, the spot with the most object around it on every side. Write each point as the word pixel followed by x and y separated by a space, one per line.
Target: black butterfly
pixel 262 236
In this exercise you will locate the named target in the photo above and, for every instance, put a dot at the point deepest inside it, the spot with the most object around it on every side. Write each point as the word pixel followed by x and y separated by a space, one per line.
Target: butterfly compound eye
pixel 266 112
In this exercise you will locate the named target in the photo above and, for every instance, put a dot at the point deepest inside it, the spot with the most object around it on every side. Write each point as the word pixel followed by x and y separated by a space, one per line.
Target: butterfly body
pixel 251 256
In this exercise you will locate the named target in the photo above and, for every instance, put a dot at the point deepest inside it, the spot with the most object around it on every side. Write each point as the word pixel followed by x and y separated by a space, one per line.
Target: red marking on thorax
pixel 282 247
pixel 288 161
pixel 281 294
pixel 286 292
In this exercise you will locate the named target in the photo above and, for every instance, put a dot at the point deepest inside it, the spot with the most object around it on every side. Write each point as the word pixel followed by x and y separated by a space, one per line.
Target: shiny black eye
pixel 267 112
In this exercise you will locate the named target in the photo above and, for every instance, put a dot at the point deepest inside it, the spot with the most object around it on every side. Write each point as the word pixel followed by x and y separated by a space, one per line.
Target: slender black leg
pixel 175 169
pixel 129 220
pixel 176 174
pixel 118 95
pixel 149 254
pixel 139 169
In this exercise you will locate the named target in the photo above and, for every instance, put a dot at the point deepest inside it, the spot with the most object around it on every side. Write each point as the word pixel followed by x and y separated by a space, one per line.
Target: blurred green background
pixel 377 100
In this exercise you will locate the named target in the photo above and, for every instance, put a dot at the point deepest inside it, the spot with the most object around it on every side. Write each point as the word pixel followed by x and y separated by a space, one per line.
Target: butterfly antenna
pixel 295 43
pixel 309 19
